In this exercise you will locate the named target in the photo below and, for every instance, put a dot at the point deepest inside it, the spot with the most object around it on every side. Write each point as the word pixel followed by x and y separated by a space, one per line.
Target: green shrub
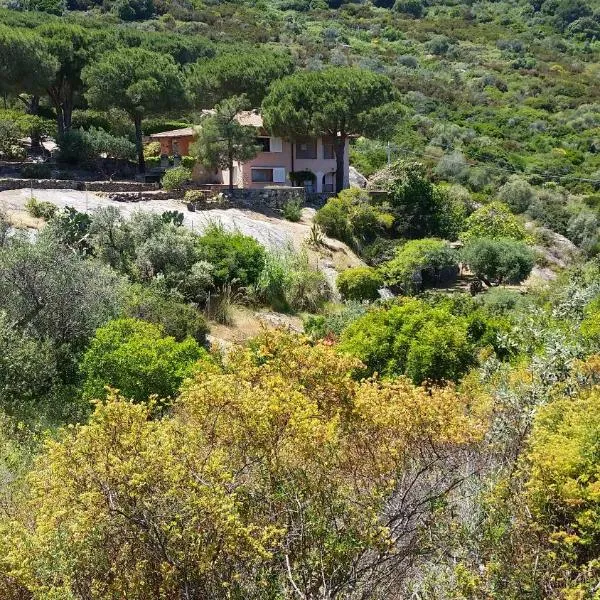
pixel 137 358
pixel 359 283
pixel 237 259
pixel 517 194
pixel 194 196
pixel 177 319
pixel 351 218
pixel 411 338
pixel 10 134
pixel 410 7
pixel 292 210
pixel 500 260
pixel 334 320
pixel 189 162
pixel 175 178
pixel 152 149
pixel 421 263
pixel 36 171
pixel 40 209
pixel 289 281
pixel 493 220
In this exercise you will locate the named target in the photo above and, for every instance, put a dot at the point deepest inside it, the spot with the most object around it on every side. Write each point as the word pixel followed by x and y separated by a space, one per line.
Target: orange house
pixel 176 142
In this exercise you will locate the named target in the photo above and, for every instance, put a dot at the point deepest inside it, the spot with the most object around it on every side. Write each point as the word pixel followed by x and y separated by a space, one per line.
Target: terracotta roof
pixel 187 131
pixel 246 117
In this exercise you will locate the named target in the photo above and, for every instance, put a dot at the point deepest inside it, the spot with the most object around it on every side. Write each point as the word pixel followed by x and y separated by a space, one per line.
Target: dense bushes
pixel 288 281
pixel 359 283
pixel 236 258
pixel 136 358
pixel 421 263
pixel 175 178
pixel 413 339
pixel 493 220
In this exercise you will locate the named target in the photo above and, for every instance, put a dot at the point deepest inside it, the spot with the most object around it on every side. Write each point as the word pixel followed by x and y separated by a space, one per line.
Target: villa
pixel 307 162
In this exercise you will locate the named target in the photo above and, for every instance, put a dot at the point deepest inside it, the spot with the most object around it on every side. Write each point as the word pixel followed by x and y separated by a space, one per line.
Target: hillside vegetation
pixel 434 431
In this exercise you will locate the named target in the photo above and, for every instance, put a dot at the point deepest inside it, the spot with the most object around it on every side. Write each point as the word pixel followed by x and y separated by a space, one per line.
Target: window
pixel 262 175
pixel 264 143
pixel 306 149
pixel 328 183
pixel 328 149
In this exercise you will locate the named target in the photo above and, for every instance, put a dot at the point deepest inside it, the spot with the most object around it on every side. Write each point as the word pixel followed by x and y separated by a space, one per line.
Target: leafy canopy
pixel 136 358
pixel 411 338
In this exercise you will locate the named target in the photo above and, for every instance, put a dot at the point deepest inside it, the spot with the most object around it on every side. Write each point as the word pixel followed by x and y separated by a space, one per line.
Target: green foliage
pixel 359 283
pixel 351 217
pixel 222 140
pixel 517 194
pixel 136 358
pixel 292 210
pixel 177 319
pixel 40 209
pixel 138 81
pixel 413 339
pixel 410 7
pixel 499 260
pixel 71 228
pixel 494 221
pixel 419 208
pixel 290 282
pixel 335 102
pixel 26 64
pixel 176 178
pixel 333 320
pixel 243 71
pixel 421 263
pixel 36 171
pixel 79 147
pixel 28 370
pixel 10 149
pixel 236 258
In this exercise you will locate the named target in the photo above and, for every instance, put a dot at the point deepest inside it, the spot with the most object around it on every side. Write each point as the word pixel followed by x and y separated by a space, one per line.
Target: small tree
pixel 139 82
pixel 335 102
pixel 222 139
pixel 499 260
pixel 493 220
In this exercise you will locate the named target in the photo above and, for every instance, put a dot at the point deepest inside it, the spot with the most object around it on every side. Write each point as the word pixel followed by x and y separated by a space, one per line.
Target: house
pixel 176 142
pixel 305 162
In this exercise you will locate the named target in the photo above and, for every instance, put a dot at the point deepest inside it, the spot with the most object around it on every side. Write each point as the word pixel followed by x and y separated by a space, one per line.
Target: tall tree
pixel 335 102
pixel 138 81
pixel 242 71
pixel 71 46
pixel 222 140
pixel 25 65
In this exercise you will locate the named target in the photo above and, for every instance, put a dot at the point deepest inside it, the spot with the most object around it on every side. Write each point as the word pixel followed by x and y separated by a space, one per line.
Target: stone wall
pixel 71 184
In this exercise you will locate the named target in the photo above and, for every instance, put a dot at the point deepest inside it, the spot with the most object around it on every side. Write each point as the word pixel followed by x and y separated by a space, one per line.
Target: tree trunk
pixel 33 108
pixel 230 159
pixel 139 143
pixel 340 151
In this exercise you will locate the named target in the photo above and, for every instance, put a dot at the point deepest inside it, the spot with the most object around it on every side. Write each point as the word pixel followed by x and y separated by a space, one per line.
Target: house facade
pixel 176 142
pixel 306 162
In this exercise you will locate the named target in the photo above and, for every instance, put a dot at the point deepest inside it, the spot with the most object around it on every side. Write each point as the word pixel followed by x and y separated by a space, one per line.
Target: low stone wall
pixel 274 198
pixel 10 183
